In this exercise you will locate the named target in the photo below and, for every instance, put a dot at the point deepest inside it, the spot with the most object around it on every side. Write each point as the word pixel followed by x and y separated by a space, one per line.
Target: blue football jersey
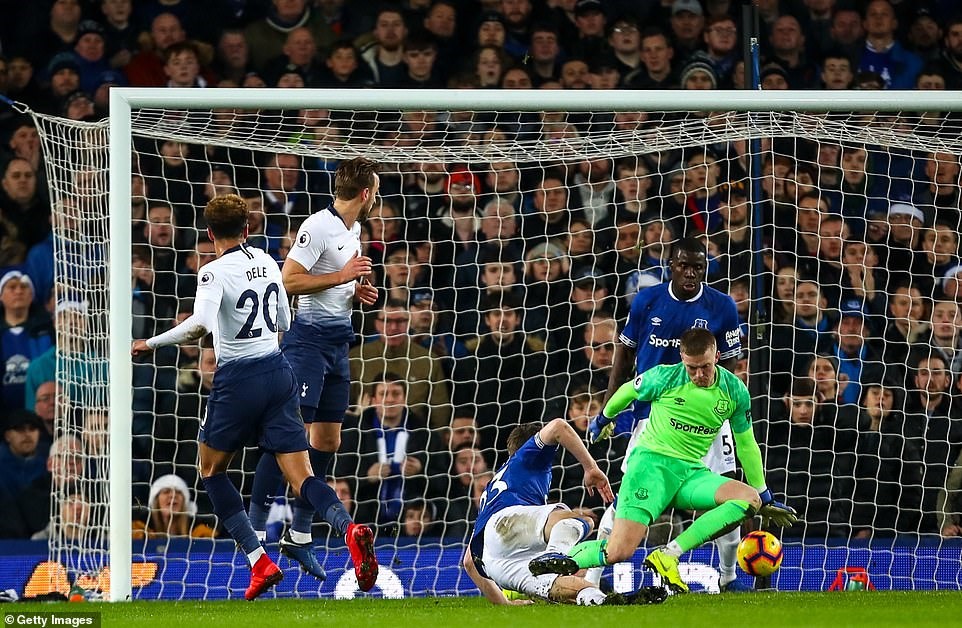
pixel 658 319
pixel 524 480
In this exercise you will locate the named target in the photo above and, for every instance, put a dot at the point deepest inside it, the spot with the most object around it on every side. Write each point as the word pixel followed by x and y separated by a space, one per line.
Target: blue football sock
pixel 324 500
pixel 303 510
pixel 268 482
pixel 229 508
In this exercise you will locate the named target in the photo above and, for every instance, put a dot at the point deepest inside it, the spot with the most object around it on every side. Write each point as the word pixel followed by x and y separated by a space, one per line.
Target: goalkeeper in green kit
pixel 689 403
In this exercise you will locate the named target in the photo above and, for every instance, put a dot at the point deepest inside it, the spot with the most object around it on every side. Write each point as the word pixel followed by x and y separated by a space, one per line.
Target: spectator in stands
pixel 886 470
pixel 343 67
pixel 505 375
pixel 394 351
pixel 489 63
pixel 862 279
pixel 420 58
pixel 721 44
pixel 924 35
pixel 574 75
pixel 544 268
pixel 266 37
pixel 26 332
pixel 299 50
pixel 64 467
pixel 732 242
pixel 702 174
pixel 837 71
pixel 905 232
pixel 23 454
pixel 497 276
pixel 945 337
pixel 491 30
pixel 952 53
pixel 285 197
pixel 402 273
pixel 90 50
pixel 498 229
pixel 452 492
pixel 551 213
pixel 938 193
pixel 462 432
pixel 773 76
pixel 384 55
pixel 933 425
pixel 146 69
pixel 788 50
pixel 579 245
pixel 940 248
pixel 624 45
pixel 783 306
pixel 883 53
pixel 386 448
pixel 503 179
pixel 419 519
pixel 259 233
pixel 698 73
pixel 182 66
pixel 847 34
pixel 58 34
pixel 120 35
pixel 73 520
pixel 232 60
pixel 64 73
pixel 427 329
pixel 441 24
pixel 79 106
pixel 44 404
pixel 657 54
pixel 591 365
pixel 858 357
pixel 518 18
pixel 799 453
pixel 590 22
pixel 171 512
pixel 687 27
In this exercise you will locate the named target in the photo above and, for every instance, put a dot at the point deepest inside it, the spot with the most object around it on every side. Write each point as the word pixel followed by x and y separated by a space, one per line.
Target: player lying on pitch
pixel 689 403
pixel 516 524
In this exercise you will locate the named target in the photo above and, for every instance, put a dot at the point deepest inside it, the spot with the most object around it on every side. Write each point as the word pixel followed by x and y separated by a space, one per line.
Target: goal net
pixel 508 244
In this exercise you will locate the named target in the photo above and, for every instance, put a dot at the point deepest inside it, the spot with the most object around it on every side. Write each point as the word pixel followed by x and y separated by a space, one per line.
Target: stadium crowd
pixel 504 285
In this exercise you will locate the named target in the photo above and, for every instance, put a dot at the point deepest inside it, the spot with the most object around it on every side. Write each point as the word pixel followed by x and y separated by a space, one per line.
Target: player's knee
pixel 326 442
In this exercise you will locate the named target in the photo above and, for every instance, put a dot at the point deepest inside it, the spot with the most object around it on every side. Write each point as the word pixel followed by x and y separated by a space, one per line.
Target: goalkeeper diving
pixel 689 403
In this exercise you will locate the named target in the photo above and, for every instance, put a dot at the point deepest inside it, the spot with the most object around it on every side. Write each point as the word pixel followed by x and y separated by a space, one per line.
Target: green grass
pixel 802 610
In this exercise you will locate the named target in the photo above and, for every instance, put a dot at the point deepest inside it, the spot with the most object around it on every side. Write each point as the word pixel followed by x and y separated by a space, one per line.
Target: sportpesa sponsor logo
pixel 655 341
pixel 692 429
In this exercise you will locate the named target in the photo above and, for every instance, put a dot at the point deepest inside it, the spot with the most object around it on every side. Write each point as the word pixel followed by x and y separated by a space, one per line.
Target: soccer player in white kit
pixel 242 302
pixel 327 273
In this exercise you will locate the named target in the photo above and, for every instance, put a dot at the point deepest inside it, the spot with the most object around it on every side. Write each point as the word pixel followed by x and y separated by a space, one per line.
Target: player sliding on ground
pixel 689 403
pixel 515 524
pixel 254 399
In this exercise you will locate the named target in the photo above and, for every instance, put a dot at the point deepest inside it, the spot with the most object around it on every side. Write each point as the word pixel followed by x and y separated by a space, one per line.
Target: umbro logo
pixel 679 401
pixel 656 321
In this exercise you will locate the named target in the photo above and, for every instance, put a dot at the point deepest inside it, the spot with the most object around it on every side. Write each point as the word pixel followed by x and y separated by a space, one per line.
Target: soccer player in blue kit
pixel 515 524
pixel 242 302
pixel 327 273
pixel 658 317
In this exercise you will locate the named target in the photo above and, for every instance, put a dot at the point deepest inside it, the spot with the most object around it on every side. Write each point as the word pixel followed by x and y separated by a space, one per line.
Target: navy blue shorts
pixel 322 370
pixel 254 402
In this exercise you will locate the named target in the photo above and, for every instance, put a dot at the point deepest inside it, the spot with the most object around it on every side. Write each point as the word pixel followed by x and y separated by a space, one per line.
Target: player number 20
pixel 248 330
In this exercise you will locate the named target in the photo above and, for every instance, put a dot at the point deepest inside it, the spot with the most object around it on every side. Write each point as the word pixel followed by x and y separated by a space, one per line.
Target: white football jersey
pixel 324 245
pixel 244 287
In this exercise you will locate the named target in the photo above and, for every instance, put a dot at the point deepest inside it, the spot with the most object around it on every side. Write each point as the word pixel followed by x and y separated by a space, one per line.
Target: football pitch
pixel 800 610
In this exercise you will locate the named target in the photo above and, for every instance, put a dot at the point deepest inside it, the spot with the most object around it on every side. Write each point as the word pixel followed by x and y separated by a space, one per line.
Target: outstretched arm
pixel 193 327
pixel 488 587
pixel 559 432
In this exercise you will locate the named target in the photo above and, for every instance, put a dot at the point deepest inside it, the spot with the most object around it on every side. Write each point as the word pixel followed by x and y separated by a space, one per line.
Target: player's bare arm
pixel 559 432
pixel 298 280
pixel 488 588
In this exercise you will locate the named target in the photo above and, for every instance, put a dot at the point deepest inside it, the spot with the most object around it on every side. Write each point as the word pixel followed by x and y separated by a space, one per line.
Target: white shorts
pixel 512 537
pixel 720 457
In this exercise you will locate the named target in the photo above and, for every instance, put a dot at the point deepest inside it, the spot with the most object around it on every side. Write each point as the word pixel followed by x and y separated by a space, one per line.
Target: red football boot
pixel 264 575
pixel 360 542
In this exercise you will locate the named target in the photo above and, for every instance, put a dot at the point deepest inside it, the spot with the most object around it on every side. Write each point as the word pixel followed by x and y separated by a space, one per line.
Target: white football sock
pixel 727 545
pixel 590 596
pixel 301 537
pixel 255 556
pixel 593 575
pixel 565 534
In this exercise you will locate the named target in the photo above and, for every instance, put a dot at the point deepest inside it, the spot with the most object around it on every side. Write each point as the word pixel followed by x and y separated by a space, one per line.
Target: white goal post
pixel 750 118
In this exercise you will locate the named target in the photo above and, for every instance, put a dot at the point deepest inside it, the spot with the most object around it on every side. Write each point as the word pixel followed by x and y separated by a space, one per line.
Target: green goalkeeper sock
pixel 716 521
pixel 590 554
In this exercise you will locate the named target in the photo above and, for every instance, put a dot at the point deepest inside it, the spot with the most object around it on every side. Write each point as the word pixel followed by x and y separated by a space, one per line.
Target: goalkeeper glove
pixel 600 428
pixel 776 512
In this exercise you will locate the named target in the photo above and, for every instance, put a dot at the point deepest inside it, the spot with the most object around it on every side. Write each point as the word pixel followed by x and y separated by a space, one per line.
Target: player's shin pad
pixel 715 522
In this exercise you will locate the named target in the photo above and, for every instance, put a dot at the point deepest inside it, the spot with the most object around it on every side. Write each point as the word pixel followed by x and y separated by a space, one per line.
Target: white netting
pixel 561 217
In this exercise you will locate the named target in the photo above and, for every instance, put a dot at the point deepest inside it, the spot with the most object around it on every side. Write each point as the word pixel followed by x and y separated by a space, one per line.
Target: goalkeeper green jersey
pixel 685 418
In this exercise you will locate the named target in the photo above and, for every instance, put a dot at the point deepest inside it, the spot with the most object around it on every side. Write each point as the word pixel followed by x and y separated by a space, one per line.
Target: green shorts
pixel 653 482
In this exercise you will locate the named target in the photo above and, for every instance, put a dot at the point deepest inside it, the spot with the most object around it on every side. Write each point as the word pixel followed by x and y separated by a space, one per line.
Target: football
pixel 759 553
